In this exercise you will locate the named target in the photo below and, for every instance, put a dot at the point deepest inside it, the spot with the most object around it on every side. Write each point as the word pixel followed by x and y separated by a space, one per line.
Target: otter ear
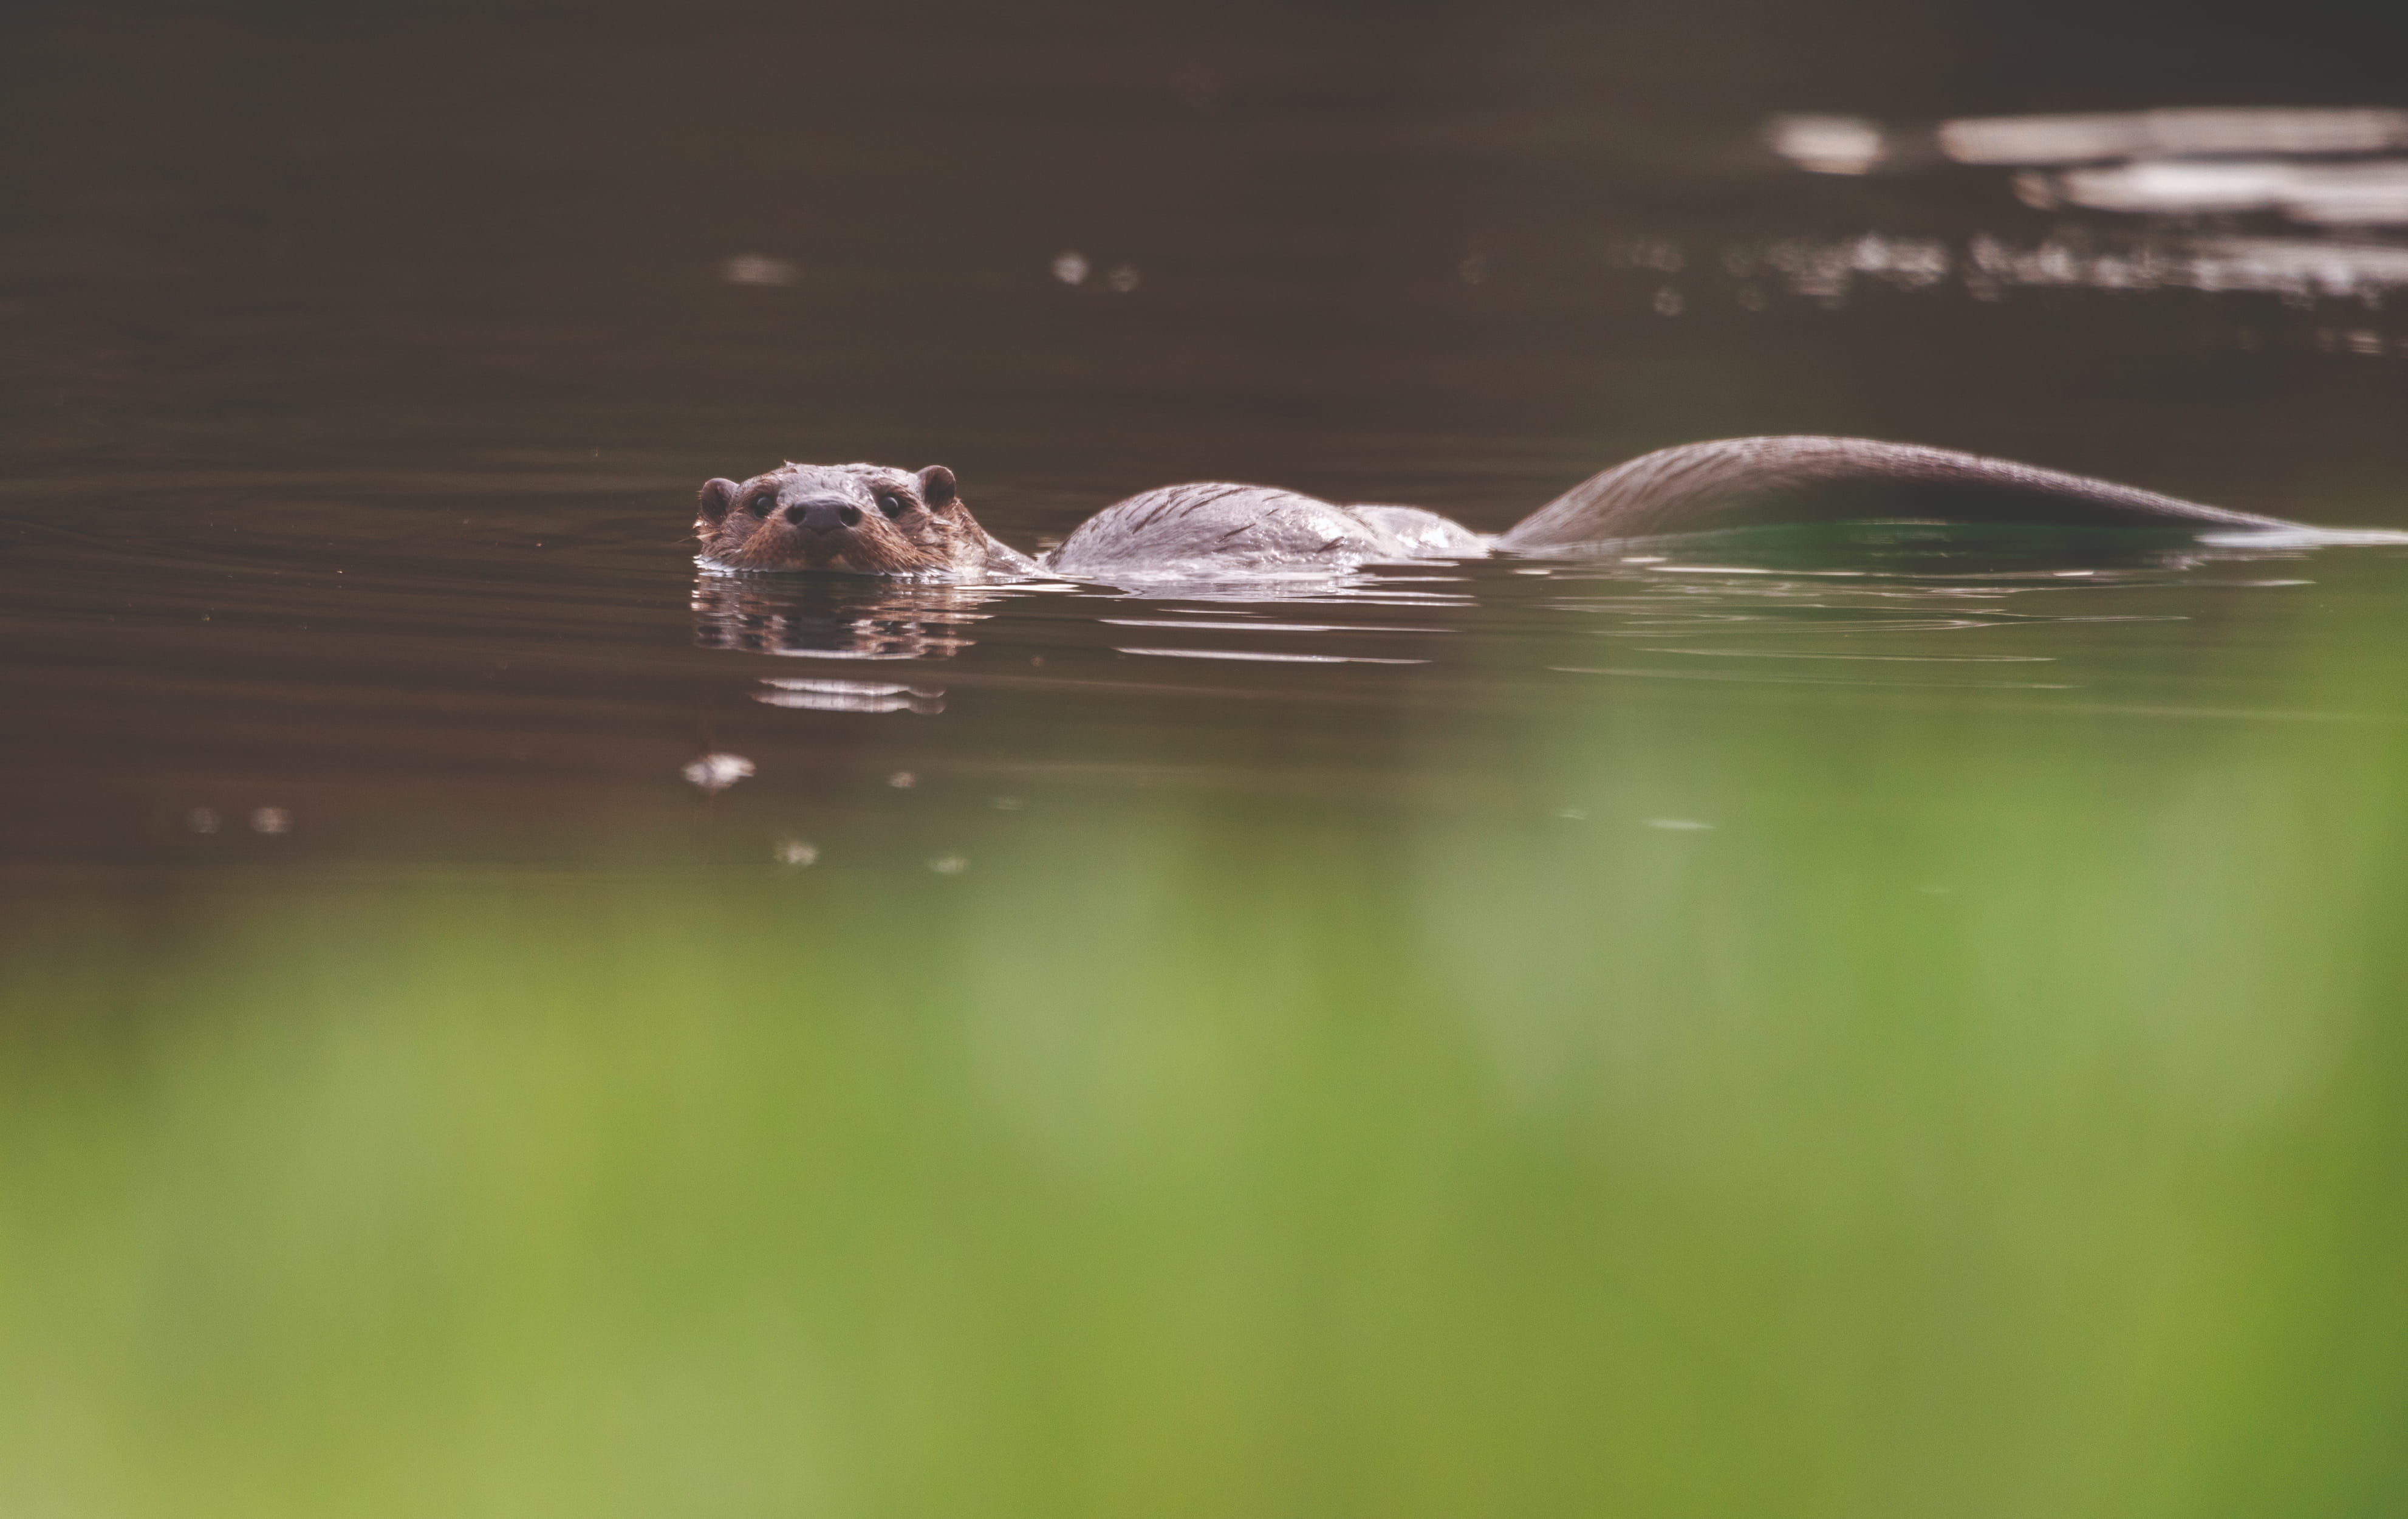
pixel 937 487
pixel 715 497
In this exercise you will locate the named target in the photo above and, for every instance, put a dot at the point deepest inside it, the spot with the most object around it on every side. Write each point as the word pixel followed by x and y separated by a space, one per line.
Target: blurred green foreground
pixel 1996 1110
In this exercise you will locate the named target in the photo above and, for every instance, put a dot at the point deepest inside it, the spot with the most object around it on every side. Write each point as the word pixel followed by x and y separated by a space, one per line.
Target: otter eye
pixel 890 504
pixel 759 506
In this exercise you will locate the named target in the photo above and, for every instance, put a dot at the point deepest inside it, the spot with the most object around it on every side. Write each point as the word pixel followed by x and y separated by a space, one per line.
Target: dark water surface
pixel 1866 1020
pixel 360 378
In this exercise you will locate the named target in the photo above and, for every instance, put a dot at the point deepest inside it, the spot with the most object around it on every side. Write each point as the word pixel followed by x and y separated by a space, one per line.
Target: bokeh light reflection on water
pixel 2186 184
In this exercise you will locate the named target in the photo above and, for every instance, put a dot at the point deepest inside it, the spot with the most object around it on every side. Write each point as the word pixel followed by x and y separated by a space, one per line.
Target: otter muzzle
pixel 823 513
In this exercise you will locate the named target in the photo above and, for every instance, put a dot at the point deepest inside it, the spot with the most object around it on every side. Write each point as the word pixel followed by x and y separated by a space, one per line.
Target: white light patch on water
pixel 270 820
pixel 2307 537
pixel 926 649
pixel 852 696
pixel 2298 267
pixel 2094 137
pixel 759 269
pixel 1278 659
pixel 1679 825
pixel 2335 194
pixel 716 772
pixel 1827 144
pixel 1071 266
pixel 795 853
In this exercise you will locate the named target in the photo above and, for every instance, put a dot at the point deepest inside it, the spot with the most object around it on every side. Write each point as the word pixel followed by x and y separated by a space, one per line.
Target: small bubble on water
pixel 1669 302
pixel 902 780
pixel 758 269
pixel 1008 803
pixel 1070 267
pixel 950 865
pixel 202 819
pixel 797 854
pixel 1123 278
pixel 1678 825
pixel 1474 269
pixel 270 820
pixel 717 772
pixel 1573 814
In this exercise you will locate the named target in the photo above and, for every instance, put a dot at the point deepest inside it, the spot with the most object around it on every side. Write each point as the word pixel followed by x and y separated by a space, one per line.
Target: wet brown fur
pixel 754 526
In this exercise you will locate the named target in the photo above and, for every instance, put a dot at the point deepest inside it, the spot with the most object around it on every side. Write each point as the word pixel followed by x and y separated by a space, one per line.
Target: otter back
pixel 1202 531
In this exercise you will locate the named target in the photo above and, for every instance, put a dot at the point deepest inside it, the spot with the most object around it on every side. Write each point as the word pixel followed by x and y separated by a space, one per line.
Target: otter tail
pixel 1740 482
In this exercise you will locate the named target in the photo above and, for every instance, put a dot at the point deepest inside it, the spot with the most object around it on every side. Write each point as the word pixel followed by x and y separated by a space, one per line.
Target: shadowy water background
pixel 1855 1020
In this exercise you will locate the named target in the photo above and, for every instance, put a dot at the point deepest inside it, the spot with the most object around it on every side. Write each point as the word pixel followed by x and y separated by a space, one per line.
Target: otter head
pixel 864 517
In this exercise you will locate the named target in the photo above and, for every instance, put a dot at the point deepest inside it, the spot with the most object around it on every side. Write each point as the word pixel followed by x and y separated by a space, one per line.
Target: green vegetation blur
pixel 1796 1102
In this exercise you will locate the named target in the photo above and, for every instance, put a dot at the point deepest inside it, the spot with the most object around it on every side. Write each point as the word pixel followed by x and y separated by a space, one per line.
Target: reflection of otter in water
pixel 836 618
pixel 870 519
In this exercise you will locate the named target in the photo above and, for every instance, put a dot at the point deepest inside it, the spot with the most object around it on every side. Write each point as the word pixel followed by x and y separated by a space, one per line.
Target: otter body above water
pixel 868 519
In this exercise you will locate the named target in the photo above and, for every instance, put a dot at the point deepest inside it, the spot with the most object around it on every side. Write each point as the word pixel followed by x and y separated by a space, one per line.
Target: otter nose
pixel 823 514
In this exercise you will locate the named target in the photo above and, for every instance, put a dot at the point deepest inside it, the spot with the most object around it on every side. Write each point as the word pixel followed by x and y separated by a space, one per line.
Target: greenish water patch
pixel 1817 1109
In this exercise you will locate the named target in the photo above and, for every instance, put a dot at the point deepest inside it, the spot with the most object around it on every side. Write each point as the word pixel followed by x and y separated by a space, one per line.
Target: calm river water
pixel 1866 1020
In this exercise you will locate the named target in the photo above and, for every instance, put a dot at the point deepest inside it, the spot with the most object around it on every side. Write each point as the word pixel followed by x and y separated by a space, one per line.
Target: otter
pixel 872 520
